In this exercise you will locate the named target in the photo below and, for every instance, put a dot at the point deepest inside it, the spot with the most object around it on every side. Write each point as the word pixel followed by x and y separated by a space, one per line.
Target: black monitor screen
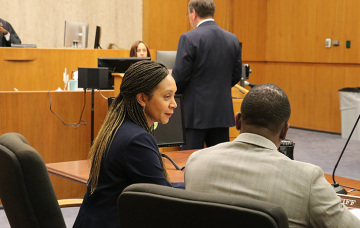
pixel 97 37
pixel 118 65
pixel 172 133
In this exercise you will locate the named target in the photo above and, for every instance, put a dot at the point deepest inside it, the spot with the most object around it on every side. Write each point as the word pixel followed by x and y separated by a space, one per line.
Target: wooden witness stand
pixel 118 77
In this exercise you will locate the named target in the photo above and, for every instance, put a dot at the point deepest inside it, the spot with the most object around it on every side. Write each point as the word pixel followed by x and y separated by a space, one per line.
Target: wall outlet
pixel 328 42
pixel 336 43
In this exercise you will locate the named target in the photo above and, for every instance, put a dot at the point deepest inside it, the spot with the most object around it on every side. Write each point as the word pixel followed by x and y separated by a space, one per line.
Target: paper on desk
pixel 355 211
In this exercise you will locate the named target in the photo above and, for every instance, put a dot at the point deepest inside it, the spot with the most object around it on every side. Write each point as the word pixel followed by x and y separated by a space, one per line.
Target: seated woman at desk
pixel 139 49
pixel 124 151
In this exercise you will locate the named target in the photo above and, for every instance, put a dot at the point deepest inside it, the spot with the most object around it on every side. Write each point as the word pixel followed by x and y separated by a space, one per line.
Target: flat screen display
pixel 172 133
pixel 76 34
pixel 117 65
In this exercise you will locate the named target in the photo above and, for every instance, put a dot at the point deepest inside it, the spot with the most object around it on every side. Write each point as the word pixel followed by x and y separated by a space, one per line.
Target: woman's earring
pixel 144 109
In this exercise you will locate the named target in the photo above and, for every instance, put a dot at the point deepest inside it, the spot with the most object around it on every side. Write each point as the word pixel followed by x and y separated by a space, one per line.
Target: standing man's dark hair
pixel 207 65
pixel 204 8
pixel 8 35
pixel 267 106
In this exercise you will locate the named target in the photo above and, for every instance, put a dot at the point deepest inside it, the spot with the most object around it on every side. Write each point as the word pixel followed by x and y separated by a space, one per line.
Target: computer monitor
pixel 118 65
pixel 97 38
pixel 167 58
pixel 172 133
pixel 76 34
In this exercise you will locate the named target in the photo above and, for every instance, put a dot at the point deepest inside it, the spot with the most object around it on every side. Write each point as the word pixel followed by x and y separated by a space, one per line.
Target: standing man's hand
pixel 2 30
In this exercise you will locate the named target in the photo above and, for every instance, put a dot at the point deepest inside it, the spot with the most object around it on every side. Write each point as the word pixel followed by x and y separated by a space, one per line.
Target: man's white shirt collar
pixel 7 36
pixel 205 21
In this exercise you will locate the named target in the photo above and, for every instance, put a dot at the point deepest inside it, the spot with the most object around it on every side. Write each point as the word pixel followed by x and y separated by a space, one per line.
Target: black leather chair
pixel 26 191
pixel 148 205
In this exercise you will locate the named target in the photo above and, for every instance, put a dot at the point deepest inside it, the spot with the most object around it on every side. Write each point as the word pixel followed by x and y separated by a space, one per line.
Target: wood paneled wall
pixel 296 31
pixel 37 69
pixel 164 21
pixel 250 27
pixel 28 113
pixel 312 90
pixel 284 43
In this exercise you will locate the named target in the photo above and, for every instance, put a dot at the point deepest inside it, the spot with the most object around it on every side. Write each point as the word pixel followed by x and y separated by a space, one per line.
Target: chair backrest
pixel 149 205
pixel 26 191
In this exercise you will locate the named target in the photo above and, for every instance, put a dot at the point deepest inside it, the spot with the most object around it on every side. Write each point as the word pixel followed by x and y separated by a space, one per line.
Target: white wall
pixel 42 22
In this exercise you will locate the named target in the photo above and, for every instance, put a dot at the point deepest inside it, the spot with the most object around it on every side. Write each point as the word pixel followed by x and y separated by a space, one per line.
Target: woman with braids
pixel 124 151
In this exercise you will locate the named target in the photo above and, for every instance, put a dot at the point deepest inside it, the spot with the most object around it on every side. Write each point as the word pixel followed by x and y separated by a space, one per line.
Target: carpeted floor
pixel 322 149
pixel 69 213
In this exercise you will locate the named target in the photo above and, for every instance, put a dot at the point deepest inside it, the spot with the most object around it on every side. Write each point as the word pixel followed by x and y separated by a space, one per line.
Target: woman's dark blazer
pixel 133 157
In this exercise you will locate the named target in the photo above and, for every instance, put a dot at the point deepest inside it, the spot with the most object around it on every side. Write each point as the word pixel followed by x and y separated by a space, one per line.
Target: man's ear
pixel 195 14
pixel 141 99
pixel 284 131
pixel 238 121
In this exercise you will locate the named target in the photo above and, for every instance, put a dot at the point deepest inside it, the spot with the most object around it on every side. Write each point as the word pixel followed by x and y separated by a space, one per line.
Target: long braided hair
pixel 141 77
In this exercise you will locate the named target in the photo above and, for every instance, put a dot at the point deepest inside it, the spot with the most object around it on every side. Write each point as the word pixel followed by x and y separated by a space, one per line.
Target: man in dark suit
pixel 8 35
pixel 207 65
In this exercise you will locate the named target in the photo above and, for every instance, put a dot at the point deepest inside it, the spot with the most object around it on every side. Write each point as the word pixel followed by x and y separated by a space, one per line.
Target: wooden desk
pixel 28 113
pixel 35 69
pixel 118 77
pixel 78 171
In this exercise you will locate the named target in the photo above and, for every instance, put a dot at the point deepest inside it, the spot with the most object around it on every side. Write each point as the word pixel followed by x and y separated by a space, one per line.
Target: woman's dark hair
pixel 133 50
pixel 141 77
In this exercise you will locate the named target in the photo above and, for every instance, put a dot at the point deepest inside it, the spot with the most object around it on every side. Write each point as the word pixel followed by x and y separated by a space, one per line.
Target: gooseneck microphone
pixel 337 187
pixel 246 83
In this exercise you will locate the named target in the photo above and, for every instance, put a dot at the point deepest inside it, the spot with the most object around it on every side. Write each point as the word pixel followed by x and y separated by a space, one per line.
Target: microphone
pixel 337 187
pixel 246 83
pixel 241 89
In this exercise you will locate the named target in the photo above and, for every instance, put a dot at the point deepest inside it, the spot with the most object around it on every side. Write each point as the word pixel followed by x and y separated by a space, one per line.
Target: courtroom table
pixel 78 171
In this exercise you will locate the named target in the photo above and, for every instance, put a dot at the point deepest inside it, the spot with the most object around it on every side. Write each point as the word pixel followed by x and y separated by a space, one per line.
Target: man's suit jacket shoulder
pixel 254 168
pixel 207 65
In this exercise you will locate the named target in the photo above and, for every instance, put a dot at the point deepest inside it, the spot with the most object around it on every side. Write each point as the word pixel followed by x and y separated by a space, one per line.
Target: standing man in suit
pixel 207 65
pixel 8 35
pixel 251 166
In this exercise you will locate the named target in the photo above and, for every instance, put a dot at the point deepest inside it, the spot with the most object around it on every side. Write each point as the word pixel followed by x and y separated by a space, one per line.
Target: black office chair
pixel 148 205
pixel 26 191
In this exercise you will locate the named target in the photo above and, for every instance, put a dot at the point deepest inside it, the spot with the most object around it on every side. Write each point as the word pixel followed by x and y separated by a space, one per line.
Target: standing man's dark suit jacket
pixel 207 65
pixel 14 38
